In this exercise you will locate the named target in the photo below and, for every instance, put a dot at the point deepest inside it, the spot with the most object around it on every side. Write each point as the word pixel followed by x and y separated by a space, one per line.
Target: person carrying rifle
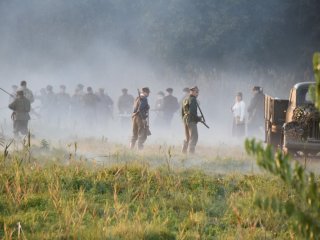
pixel 140 119
pixel 20 116
pixel 190 119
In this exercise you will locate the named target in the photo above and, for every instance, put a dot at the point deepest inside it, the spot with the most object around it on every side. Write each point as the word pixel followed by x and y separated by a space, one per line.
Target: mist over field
pixel 221 46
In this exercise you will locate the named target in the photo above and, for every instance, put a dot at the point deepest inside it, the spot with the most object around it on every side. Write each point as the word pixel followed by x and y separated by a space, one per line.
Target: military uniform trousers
pixel 20 126
pixel 139 132
pixel 191 134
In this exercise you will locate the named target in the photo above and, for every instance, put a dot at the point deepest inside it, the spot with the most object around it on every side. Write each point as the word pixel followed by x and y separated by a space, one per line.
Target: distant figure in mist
pixel 170 106
pixel 26 91
pixel 21 107
pixel 189 111
pixel 90 101
pixel 256 113
pixel 13 93
pixel 49 106
pixel 185 95
pixel 140 119
pixel 77 106
pixel 238 110
pixel 158 108
pixel 63 104
pixel 124 104
pixel 105 107
pixel 42 98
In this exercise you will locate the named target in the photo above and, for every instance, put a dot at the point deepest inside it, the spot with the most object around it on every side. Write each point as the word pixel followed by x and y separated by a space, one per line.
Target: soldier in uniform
pixel 20 116
pixel 26 91
pixel 170 106
pixel 77 106
pixel 125 103
pixel 140 117
pixel 159 119
pixel 190 119
pixel 63 103
pixel 106 106
pixel 90 101
pixel 256 112
pixel 49 105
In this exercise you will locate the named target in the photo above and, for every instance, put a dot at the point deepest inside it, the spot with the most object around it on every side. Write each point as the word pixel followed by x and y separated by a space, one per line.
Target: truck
pixel 292 125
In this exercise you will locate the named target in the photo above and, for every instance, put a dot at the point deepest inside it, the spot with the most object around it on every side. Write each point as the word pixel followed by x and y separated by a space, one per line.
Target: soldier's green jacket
pixel 190 110
pixel 21 107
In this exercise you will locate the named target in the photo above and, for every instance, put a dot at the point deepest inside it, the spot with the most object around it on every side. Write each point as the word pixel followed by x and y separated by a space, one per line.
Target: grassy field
pixel 92 189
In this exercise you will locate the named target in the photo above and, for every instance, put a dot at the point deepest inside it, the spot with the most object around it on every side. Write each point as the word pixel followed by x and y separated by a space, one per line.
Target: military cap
pixel 186 89
pixel 169 90
pixel 145 89
pixel 23 83
pixel 194 88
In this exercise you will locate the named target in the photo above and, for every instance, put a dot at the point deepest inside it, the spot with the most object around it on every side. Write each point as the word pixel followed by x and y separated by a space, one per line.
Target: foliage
pixel 304 204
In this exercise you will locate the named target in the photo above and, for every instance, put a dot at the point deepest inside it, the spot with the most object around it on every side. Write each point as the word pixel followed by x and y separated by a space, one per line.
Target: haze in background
pixel 221 46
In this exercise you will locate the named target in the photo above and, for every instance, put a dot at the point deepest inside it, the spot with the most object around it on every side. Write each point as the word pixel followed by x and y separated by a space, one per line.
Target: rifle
pixel 7 92
pixel 202 116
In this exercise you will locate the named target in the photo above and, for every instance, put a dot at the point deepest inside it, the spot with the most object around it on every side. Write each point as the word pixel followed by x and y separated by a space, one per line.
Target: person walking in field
pixel 140 119
pixel 21 107
pixel 190 119
pixel 238 110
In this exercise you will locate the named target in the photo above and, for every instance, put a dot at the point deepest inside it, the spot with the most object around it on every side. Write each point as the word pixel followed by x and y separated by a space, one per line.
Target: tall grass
pixel 56 196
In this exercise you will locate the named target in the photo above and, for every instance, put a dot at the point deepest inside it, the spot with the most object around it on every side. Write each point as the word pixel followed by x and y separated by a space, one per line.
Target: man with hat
pixel 190 119
pixel 21 107
pixel 140 119
pixel 256 112
pixel 170 106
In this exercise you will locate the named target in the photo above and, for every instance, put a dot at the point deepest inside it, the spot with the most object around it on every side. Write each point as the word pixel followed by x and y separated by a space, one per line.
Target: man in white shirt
pixel 238 110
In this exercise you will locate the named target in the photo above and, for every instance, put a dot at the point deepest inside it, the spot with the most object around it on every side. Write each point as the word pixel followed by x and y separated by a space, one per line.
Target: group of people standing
pixel 189 114
pixel 85 106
